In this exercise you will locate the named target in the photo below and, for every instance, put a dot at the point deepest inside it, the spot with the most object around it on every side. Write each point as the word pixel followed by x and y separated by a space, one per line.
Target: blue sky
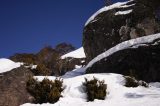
pixel 28 25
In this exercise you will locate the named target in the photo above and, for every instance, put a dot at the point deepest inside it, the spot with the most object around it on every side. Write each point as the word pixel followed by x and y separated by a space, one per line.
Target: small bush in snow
pixel 95 89
pixel 46 90
pixel 132 82
pixel 41 70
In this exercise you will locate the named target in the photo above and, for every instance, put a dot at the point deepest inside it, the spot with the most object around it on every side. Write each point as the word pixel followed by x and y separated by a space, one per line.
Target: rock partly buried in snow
pixel 117 23
pixel 138 57
pixel 71 59
pixel 13 87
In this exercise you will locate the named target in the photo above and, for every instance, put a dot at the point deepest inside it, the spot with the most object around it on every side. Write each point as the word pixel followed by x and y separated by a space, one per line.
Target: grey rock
pixel 13 87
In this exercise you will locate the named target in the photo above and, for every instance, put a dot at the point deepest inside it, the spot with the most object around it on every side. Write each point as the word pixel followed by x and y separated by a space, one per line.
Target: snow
pixel 7 65
pixel 79 53
pixel 106 8
pixel 78 66
pixel 155 84
pixel 34 67
pixel 133 43
pixel 74 73
pixel 117 93
pixel 31 66
pixel 123 12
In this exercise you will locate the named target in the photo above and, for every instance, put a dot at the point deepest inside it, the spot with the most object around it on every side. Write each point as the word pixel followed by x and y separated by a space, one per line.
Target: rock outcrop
pixel 13 87
pixel 116 24
pixel 50 59
pixel 140 60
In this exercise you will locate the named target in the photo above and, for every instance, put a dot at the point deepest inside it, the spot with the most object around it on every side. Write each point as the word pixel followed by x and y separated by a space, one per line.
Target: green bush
pixel 46 90
pixel 95 89
pixel 132 82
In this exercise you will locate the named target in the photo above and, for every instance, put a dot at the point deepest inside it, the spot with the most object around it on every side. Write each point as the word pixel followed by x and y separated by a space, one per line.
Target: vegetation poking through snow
pixel 95 89
pixel 41 69
pixel 46 90
pixel 132 82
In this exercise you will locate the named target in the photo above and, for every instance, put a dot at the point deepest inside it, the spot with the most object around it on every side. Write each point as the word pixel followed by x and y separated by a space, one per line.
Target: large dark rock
pixel 107 29
pixel 142 62
pixel 110 28
pixel 13 87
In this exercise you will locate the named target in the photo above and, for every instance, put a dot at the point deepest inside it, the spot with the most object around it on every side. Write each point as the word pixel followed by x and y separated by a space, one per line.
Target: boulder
pixel 140 60
pixel 13 87
pixel 117 23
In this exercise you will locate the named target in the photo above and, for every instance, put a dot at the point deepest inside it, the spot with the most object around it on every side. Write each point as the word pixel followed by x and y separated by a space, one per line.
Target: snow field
pixel 117 94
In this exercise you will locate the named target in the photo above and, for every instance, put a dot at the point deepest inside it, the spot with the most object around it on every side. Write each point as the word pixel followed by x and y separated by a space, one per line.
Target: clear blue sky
pixel 28 25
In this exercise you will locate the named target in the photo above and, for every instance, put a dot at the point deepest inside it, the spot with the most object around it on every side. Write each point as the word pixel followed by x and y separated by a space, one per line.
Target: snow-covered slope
pixel 118 95
pixel 79 53
pixel 107 8
pixel 7 65
pixel 133 43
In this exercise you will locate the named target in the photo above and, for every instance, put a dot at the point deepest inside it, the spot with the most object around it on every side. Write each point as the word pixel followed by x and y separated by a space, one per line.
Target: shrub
pixel 46 90
pixel 41 70
pixel 95 89
pixel 132 82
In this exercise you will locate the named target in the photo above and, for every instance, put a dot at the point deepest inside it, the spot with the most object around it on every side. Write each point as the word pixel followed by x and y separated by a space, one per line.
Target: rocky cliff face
pixel 117 23
pixel 121 22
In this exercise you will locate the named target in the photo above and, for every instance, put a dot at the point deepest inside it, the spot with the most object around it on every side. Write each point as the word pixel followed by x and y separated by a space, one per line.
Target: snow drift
pixel 79 53
pixel 7 65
